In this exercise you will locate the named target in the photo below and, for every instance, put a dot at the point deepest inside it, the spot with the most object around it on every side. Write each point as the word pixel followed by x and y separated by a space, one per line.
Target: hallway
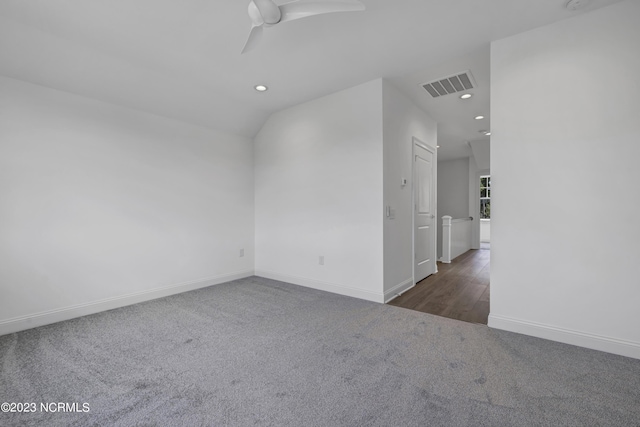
pixel 459 290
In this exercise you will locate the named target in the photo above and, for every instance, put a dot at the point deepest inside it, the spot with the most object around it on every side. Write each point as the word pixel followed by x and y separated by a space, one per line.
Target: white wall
pixel 485 230
pixel 453 192
pixel 460 237
pixel 318 192
pixel 453 188
pixel 99 202
pixel 403 121
pixel 564 111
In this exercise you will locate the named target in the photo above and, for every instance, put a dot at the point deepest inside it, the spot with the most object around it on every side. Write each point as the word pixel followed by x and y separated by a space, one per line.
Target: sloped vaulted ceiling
pixel 181 59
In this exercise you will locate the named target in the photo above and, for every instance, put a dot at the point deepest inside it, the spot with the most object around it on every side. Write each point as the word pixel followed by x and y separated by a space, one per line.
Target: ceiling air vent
pixel 458 82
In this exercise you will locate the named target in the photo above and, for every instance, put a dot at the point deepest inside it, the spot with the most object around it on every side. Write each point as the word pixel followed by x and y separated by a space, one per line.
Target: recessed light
pixel 466 96
pixel 261 88
pixel 437 146
pixel 487 133
pixel 479 117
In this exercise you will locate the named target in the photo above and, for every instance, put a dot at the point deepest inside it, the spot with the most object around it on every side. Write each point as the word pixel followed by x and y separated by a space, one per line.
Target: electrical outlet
pixel 241 253
pixel 321 260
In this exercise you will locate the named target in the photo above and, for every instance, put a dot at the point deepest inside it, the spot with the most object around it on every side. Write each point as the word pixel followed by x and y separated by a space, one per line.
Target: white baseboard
pixel 21 323
pixel 567 336
pixel 400 288
pixel 323 286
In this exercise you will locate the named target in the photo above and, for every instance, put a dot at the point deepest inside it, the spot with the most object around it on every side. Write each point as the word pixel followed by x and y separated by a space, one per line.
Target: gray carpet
pixel 261 352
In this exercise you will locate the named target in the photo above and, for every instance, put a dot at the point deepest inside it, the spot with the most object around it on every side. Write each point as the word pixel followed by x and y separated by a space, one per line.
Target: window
pixel 485 197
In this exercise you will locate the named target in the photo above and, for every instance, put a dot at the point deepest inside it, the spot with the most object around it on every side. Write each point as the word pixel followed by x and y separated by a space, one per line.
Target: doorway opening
pixel 485 212
pixel 460 289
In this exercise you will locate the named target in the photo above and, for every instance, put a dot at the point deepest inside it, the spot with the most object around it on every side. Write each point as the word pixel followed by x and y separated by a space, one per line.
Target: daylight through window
pixel 485 197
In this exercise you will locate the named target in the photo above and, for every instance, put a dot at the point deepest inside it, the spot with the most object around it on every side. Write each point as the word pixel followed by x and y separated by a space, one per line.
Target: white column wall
pixel 403 121
pixel 318 193
pixel 564 174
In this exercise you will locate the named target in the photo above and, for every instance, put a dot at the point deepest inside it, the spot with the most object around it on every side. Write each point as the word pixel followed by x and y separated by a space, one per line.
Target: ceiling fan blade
pixel 254 37
pixel 303 8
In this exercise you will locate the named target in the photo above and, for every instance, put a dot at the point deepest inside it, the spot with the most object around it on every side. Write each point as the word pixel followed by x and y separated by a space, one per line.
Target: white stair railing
pixel 446 239
pixel 456 237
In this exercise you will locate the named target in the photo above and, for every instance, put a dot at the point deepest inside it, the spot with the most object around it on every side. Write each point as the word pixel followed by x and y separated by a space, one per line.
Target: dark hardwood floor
pixel 459 290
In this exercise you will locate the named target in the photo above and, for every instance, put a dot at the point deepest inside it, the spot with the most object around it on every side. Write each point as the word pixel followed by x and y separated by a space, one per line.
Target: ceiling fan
pixel 266 13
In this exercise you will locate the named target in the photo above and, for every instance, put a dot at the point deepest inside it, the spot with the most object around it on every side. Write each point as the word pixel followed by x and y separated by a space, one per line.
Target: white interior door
pixel 424 211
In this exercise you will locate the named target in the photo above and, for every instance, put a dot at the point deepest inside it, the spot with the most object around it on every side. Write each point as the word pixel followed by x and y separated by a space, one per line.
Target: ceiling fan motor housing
pixel 269 11
pixel 575 4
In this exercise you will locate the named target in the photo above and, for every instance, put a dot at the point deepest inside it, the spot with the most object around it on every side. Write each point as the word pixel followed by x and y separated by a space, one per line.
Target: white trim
pixel 457 220
pixel 399 289
pixel 323 286
pixel 567 336
pixel 35 320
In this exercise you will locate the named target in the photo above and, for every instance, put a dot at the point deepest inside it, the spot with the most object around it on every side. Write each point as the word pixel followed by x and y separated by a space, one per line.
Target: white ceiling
pixel 181 59
pixel 455 117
